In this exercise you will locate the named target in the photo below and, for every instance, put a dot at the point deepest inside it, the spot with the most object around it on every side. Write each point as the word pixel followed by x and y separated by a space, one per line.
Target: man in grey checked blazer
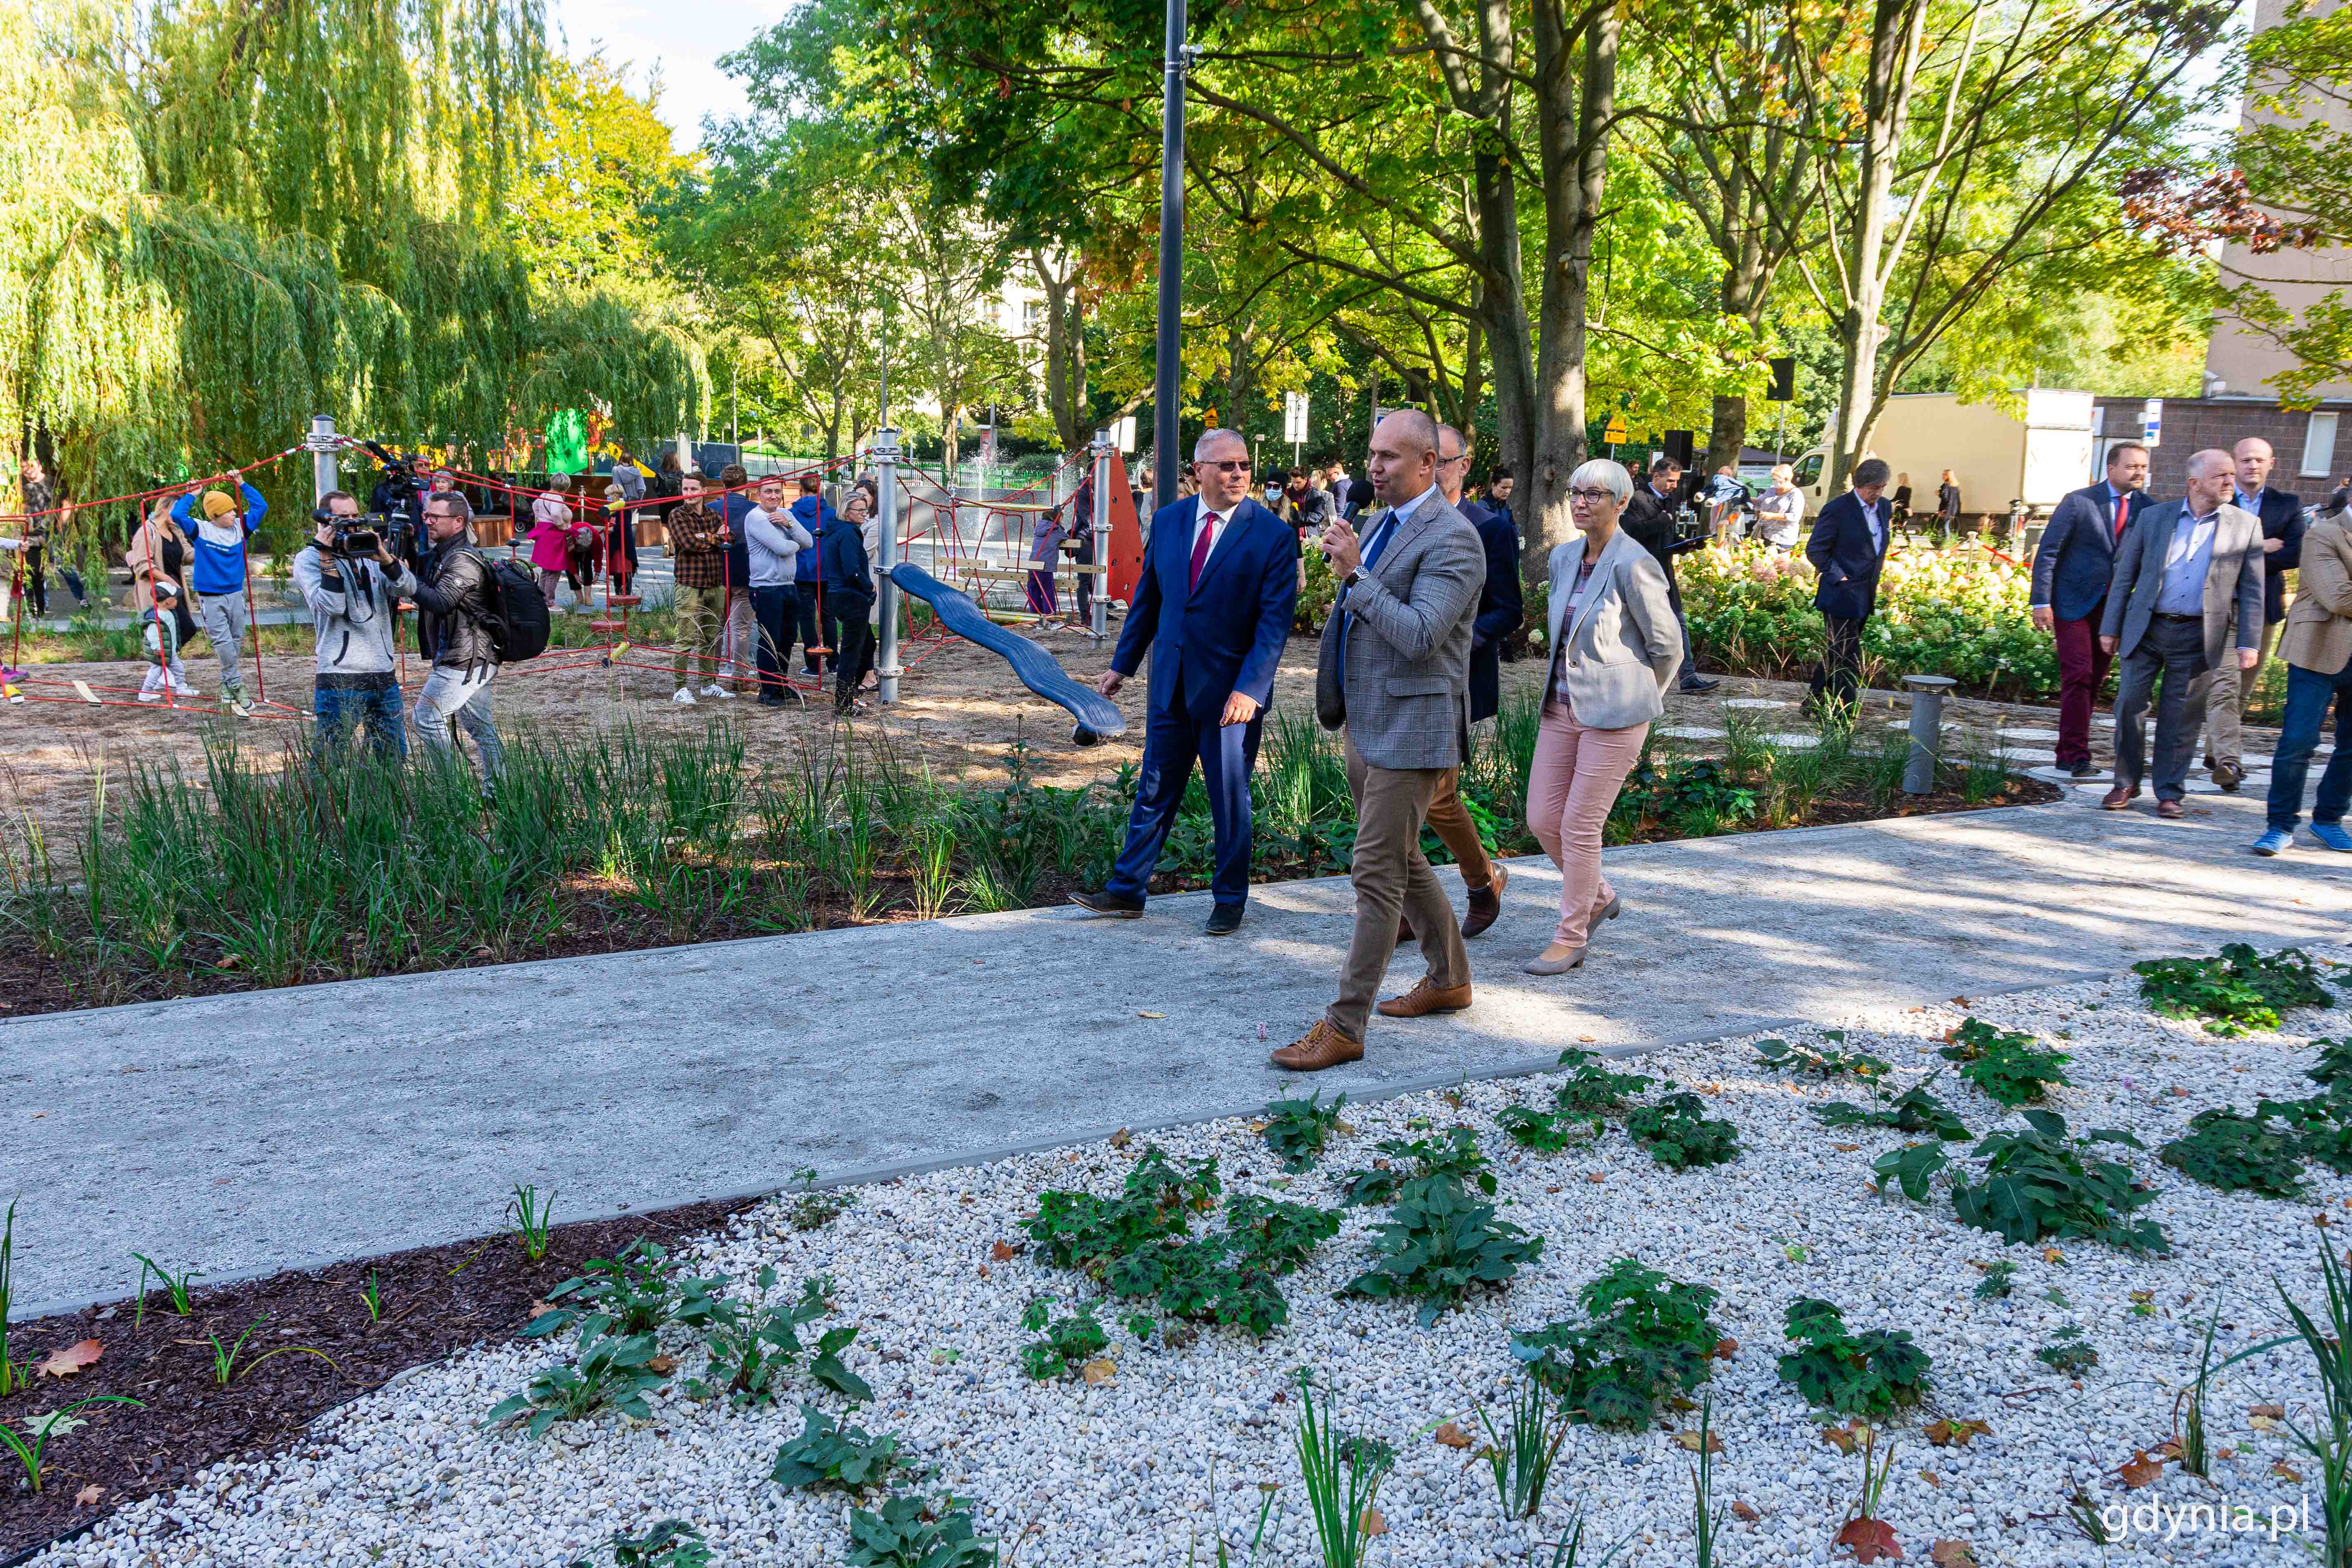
pixel 1394 669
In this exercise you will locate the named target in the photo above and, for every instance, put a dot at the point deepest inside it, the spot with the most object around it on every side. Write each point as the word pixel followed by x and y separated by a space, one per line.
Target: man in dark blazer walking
pixel 1848 548
pixel 2071 571
pixel 2282 525
pixel 1649 517
pixel 1213 604
pixel 2188 570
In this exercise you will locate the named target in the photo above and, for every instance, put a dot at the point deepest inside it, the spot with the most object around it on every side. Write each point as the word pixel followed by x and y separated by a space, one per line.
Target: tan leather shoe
pixel 1321 1047
pixel 2171 810
pixel 2119 798
pixel 1426 998
pixel 1486 903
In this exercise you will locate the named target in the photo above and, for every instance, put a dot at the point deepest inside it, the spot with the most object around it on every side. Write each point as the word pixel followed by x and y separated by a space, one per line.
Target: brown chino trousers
pixel 1392 875
pixel 1450 820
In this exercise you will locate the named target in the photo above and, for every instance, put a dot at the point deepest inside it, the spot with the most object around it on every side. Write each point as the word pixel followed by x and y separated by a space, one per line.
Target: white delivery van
pixel 1996 460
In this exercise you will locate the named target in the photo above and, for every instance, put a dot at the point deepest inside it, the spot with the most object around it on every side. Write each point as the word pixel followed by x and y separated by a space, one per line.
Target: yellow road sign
pixel 1616 431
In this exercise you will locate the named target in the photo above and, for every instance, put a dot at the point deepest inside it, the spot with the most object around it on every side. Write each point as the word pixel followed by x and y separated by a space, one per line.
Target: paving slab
pixel 292 1128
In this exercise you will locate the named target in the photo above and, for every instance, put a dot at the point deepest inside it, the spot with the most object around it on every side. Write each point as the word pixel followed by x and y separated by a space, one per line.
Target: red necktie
pixel 2122 505
pixel 1200 548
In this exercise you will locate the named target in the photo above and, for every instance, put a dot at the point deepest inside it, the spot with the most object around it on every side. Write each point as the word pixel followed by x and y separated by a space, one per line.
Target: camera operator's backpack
pixel 517 616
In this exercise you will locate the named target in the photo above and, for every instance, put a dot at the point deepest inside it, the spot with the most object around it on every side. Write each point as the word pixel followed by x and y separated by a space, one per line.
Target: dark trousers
pixel 2083 666
pixel 1173 738
pixel 2308 695
pixel 37 579
pixel 379 712
pixel 853 643
pixel 811 634
pixel 1086 583
pixel 777 612
pixel 2174 649
pixel 1839 675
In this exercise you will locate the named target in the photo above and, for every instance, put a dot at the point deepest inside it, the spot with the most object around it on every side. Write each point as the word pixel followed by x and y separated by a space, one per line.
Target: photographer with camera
pixel 1660 519
pixel 455 597
pixel 350 579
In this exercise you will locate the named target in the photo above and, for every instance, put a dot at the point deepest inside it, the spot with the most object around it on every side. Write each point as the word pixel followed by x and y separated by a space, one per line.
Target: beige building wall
pixel 2242 361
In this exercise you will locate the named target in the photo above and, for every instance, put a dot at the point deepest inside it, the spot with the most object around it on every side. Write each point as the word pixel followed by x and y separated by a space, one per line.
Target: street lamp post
pixel 1171 259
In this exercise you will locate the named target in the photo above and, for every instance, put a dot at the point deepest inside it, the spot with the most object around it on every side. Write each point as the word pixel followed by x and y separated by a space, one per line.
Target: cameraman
pixel 454 597
pixel 354 611
pixel 1650 517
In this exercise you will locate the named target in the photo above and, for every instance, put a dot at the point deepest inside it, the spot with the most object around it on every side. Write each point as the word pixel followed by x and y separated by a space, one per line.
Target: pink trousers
pixel 1571 784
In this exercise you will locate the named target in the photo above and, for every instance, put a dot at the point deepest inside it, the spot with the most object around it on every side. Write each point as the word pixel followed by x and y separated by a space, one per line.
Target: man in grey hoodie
pixel 354 611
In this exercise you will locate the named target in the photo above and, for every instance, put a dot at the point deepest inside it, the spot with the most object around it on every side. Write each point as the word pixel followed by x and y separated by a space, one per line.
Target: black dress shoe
pixel 1701 684
pixel 2084 769
pixel 1119 906
pixel 1225 920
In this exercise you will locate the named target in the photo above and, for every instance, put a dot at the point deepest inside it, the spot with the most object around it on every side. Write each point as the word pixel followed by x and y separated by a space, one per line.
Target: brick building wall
pixel 2192 424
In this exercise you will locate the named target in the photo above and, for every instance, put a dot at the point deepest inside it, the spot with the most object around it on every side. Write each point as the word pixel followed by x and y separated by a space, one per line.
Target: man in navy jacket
pixel 1848 548
pixel 2281 519
pixel 2071 569
pixel 1214 605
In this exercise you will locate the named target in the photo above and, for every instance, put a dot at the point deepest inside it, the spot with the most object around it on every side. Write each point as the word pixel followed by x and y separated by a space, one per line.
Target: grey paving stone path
pixel 237 1134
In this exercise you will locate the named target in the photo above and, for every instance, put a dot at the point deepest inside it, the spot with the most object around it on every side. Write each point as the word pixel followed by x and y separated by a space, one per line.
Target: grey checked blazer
pixel 1405 698
pixel 2234 578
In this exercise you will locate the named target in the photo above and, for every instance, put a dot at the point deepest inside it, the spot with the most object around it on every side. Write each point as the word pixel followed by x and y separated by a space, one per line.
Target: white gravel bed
pixel 1143 1468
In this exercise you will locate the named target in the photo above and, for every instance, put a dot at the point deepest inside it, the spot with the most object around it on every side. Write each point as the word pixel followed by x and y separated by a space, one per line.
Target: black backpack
pixel 516 615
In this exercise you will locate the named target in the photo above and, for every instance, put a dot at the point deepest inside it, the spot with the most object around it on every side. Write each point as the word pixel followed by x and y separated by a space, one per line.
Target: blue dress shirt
pixel 2186 559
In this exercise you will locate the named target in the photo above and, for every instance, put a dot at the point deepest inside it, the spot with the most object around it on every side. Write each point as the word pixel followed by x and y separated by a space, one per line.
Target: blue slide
pixel 1038 669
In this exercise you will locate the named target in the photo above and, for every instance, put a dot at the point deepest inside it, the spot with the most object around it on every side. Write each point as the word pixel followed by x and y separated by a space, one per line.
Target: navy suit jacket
pixel 2077 554
pixel 2282 516
pixel 1843 551
pixel 1500 608
pixel 1227 634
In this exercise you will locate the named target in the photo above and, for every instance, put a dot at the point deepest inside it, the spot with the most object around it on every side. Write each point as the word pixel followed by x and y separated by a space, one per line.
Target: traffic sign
pixel 1293 417
pixel 1616 434
pixel 2151 422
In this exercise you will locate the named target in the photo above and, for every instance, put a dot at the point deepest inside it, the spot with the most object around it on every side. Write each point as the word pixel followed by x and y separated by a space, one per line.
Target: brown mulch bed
pixel 436 1300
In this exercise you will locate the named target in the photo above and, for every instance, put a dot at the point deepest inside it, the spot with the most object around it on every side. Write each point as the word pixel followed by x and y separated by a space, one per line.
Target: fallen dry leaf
pixel 1846 1148
pixel 1956 1433
pixel 1742 1511
pixel 983 1271
pixel 1932 1478
pixel 1552 1189
pixel 71 1359
pixel 1726 1349
pixel 1690 1440
pixel 2141 1471
pixel 1588 1039
pixel 1121 1139
pixel 2275 1412
pixel 664 1364
pixel 1837 1438
pixel 2054 1254
pixel 1597 1176
pixel 2168 1449
pixel 2280 1467
pixel 2179 1092
pixel 1003 1252
pixel 1871 1539
pixel 1680 1403
pixel 2263 1422
pixel 1373 1523
pixel 1453 1436
pixel 1142 1015
pixel 1101 1369
pixel 89 1495
pixel 1953 1554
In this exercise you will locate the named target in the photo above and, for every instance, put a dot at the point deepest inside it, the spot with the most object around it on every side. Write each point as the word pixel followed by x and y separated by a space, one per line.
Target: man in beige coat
pixel 2318 648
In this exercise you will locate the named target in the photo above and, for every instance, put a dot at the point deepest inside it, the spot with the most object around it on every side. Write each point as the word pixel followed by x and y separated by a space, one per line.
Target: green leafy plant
pixel 2240 991
pixel 813 1208
pixel 1455 1154
pixel 2009 1067
pixel 176 1286
pixel 2236 1153
pixel 1342 1477
pixel 1296 1130
pixel 1911 1168
pixel 1830 1061
pixel 1227 1277
pixel 1915 1110
pixel 639 1290
pixel 1996 1281
pixel 1080 1230
pixel 2319 1128
pixel 1519 1458
pixel 372 1300
pixel 827 1453
pixel 1645 1338
pixel 1593 1089
pixel 2041 1184
pixel 226 1369
pixel 911 1532
pixel 1548 1131
pixel 39 1429
pixel 2069 1353
pixel 14 1374
pixel 1068 1344
pixel 751 1345
pixel 1870 1373
pixel 2333 1065
pixel 672 1543
pixel 1870 1537
pixel 1438 1242
pixel 1678 1135
pixel 531 1221
pixel 610 1371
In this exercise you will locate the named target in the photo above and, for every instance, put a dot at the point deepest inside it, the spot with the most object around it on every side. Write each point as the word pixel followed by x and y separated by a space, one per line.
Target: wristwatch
pixel 1355 575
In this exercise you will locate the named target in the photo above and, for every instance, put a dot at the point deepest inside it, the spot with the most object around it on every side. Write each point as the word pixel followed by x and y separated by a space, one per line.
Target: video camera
pixel 394 500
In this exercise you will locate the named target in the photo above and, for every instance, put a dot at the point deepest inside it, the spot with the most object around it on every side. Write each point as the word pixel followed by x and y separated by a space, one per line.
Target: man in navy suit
pixel 1220 579
pixel 2280 515
pixel 1848 548
pixel 2071 569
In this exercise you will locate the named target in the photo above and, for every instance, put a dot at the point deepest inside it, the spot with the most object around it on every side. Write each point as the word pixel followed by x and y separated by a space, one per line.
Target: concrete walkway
pixel 236 1134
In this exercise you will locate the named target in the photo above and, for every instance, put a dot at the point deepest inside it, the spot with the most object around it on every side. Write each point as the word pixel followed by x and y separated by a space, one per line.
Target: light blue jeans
pixel 453 699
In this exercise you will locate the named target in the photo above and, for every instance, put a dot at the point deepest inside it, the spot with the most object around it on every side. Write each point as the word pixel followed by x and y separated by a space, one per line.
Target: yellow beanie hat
pixel 218 504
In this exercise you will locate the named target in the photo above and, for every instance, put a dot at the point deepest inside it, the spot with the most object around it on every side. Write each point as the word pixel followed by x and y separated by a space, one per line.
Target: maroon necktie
pixel 2122 505
pixel 1200 548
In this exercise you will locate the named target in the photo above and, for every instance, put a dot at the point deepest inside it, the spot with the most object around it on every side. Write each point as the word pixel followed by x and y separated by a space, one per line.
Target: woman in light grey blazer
pixel 1616 645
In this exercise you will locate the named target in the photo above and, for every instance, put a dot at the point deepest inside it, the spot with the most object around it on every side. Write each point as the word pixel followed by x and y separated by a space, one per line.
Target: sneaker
pixel 240 706
pixel 715 689
pixel 682 696
pixel 150 697
pixel 2331 833
pixel 2273 841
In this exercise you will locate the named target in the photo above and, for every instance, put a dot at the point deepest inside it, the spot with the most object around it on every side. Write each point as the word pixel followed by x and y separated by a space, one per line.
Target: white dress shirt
pixel 1216 524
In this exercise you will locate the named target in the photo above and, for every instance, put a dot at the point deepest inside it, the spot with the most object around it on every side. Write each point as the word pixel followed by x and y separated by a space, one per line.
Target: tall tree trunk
pixel 1894 64
pixel 1573 108
pixel 1066 352
pixel 1502 311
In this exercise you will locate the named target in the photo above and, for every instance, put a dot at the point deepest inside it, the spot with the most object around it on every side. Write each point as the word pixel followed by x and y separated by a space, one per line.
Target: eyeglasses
pixel 1229 465
pixel 1591 497
pixel 1458 457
